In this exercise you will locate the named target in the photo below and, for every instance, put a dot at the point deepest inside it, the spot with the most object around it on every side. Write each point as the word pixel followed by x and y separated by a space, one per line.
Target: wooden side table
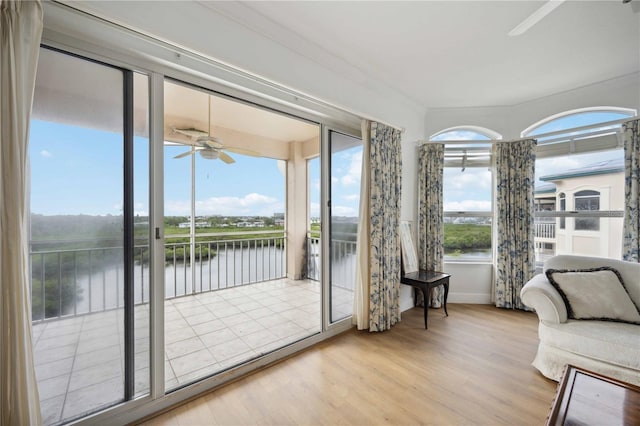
pixel 425 281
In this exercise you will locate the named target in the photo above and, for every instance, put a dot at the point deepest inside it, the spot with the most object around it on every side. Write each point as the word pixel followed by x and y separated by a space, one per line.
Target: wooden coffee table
pixel 587 398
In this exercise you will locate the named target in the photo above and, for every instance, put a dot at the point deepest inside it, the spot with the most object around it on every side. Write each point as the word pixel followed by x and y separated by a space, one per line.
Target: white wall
pixel 472 283
pixel 510 120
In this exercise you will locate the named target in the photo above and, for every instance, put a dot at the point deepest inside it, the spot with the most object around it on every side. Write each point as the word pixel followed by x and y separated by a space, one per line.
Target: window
pixel 467 193
pixel 563 207
pixel 569 124
pixel 580 166
pixel 587 201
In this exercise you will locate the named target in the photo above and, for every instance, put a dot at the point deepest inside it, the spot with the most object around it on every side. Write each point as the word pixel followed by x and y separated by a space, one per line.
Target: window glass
pixel 77 241
pixel 577 120
pixel 563 207
pixel 579 186
pixel 460 134
pixel 467 213
pixel 587 201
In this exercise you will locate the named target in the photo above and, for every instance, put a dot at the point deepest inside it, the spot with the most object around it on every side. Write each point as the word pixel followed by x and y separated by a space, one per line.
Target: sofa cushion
pixel 605 341
pixel 594 294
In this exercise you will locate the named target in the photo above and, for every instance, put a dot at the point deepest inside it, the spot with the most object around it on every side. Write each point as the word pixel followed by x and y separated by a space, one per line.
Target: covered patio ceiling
pixel 61 98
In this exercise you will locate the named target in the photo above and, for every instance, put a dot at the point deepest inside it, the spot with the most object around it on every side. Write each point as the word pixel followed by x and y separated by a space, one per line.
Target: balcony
pixel 545 231
pixel 239 307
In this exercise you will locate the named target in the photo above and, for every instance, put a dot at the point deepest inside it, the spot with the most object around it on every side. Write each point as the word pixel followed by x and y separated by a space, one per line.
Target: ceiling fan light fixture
pixel 535 17
pixel 209 154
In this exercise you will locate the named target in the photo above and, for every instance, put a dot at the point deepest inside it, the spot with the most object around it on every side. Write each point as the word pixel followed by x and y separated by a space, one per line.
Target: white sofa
pixel 606 347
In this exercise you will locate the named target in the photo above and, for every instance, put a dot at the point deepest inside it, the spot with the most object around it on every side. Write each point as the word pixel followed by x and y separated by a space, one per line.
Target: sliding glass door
pixel 234 269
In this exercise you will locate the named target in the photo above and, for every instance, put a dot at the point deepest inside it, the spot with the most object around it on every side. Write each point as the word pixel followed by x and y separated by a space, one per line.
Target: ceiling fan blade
pixel 225 157
pixel 535 17
pixel 190 132
pixel 243 151
pixel 184 154
pixel 211 142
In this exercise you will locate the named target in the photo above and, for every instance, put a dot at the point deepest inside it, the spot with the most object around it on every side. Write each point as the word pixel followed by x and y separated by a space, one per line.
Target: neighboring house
pixel 596 187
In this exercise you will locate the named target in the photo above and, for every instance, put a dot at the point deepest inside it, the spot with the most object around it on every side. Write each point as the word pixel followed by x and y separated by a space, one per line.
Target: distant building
pixel 200 224
pixel 598 186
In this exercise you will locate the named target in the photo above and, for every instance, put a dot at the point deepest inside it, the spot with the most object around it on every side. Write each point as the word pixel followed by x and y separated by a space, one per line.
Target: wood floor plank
pixel 473 367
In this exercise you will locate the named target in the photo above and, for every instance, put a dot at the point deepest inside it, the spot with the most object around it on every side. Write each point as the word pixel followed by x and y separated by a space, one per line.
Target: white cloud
pixel 46 153
pixel 138 209
pixel 470 179
pixel 344 211
pixel 554 165
pixel 467 205
pixel 351 197
pixel 253 204
pixel 314 209
pixel 352 176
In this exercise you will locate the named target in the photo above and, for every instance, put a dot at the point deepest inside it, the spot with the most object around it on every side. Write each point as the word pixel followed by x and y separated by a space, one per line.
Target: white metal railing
pixel 86 280
pixel 545 230
pixel 343 261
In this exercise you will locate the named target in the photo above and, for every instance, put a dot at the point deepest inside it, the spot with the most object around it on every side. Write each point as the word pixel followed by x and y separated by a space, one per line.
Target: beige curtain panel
pixel 361 292
pixel 20 33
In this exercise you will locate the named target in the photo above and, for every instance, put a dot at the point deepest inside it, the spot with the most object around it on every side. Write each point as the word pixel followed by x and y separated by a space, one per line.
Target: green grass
pixel 467 237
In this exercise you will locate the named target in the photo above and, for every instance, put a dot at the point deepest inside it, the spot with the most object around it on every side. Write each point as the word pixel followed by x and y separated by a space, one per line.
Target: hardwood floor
pixel 472 367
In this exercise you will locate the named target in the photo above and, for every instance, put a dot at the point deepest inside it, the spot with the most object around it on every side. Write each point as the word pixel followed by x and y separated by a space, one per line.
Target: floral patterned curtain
pixel 631 232
pixel 384 207
pixel 430 223
pixel 515 260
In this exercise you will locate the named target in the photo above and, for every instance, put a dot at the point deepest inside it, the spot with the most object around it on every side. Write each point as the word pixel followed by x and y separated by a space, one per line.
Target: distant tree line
pixel 466 237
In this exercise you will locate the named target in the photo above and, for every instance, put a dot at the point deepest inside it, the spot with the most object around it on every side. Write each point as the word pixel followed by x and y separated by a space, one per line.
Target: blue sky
pixel 79 171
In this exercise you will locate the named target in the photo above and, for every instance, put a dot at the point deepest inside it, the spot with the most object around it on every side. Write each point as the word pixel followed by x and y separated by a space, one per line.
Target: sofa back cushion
pixel 594 294
pixel 629 271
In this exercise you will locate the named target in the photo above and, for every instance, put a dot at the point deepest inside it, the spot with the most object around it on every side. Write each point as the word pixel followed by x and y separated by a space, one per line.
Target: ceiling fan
pixel 209 147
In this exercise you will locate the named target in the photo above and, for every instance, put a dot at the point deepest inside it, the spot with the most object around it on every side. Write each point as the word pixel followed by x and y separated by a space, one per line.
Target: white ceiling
pixel 458 54
pixel 435 53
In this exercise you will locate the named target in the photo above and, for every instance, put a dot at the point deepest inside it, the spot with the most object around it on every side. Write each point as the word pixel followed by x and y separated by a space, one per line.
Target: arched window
pixel 580 149
pixel 574 121
pixel 467 192
pixel 465 133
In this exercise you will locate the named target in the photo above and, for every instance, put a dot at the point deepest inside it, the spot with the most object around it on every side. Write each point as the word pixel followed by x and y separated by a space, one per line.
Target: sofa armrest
pixel 540 295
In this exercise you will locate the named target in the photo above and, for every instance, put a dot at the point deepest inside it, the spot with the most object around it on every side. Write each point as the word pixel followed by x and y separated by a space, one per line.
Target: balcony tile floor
pixel 79 360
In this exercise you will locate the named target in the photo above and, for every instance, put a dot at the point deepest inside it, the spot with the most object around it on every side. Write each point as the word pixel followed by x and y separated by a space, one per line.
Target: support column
pixel 296 213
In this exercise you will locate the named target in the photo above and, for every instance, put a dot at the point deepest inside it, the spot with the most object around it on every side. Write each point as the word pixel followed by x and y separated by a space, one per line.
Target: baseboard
pixel 472 298
pixel 475 298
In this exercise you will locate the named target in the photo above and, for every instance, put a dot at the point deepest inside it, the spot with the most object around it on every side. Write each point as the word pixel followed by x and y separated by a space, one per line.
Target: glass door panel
pixel 235 201
pixel 346 168
pixel 80 234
